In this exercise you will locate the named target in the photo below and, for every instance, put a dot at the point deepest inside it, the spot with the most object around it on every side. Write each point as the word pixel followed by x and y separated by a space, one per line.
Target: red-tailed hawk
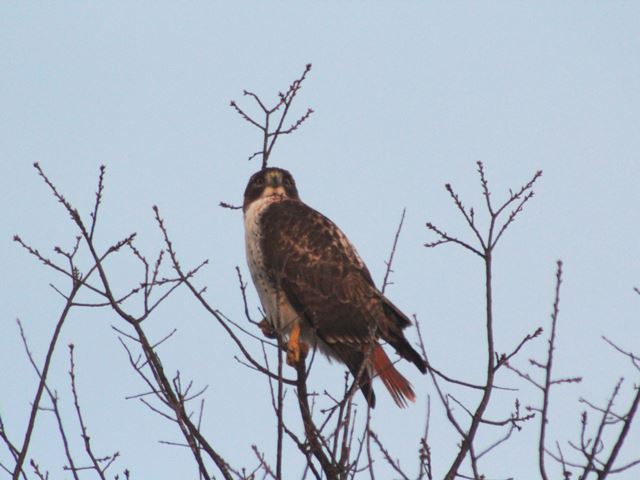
pixel 315 288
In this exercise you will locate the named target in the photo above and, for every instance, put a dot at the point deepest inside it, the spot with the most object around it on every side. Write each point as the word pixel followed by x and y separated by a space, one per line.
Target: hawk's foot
pixel 267 330
pixel 296 353
pixel 296 349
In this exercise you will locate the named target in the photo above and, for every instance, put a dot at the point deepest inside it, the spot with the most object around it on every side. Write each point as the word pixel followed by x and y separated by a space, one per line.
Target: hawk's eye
pixel 258 182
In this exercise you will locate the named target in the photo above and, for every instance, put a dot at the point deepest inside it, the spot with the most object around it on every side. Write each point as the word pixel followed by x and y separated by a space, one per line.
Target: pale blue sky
pixel 407 96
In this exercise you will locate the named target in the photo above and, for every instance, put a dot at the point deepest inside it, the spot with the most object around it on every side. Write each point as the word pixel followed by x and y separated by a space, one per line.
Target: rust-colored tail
pixel 398 386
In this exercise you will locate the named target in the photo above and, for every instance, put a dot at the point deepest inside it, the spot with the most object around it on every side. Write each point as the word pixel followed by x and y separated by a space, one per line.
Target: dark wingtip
pixel 406 351
pixel 422 366
pixel 368 393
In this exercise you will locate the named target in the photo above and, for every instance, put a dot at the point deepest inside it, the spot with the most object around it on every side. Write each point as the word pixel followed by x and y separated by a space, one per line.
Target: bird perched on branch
pixel 316 290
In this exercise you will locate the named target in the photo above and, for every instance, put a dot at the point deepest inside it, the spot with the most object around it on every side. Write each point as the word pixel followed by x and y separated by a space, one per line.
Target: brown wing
pixel 331 289
pixel 323 277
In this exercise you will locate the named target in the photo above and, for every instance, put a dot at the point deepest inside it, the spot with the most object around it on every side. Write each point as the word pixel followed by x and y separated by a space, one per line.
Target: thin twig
pixel 389 263
pixel 269 137
pixel 54 403
pixel 83 428
pixel 548 368
pixel 43 378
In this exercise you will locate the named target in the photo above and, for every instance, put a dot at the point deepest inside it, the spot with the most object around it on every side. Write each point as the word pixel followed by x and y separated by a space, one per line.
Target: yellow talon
pixel 295 348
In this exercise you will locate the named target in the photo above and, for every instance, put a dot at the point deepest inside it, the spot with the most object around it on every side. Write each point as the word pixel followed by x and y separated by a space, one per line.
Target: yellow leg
pixel 293 346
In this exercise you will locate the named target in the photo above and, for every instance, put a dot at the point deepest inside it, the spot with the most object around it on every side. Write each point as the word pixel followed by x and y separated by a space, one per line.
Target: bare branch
pixel 446 238
pixel 504 358
pixel 269 137
pixel 41 384
pixel 629 417
pixel 389 262
pixel 94 215
pixel 230 206
pixel 393 463
pixel 635 360
pixel 83 428
pixel 468 216
pixel 54 404
pixel 548 368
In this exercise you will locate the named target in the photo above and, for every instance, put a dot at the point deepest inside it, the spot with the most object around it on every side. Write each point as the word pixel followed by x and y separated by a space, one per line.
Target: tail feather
pixel 397 339
pixel 398 386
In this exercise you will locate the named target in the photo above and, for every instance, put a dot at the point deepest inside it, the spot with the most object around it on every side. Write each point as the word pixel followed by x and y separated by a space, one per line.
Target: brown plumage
pixel 312 282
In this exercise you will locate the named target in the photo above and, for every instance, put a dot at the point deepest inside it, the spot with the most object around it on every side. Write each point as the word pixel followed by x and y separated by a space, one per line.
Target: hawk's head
pixel 267 182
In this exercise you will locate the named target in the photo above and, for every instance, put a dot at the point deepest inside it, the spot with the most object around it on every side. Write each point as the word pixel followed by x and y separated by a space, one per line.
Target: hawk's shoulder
pixel 312 261
pixel 294 232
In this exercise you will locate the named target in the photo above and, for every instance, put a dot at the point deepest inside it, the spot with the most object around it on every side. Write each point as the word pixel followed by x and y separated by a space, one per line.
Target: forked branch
pixel 266 125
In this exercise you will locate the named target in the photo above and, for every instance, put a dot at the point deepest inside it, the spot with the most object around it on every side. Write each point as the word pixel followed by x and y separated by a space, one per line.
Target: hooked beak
pixel 274 185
